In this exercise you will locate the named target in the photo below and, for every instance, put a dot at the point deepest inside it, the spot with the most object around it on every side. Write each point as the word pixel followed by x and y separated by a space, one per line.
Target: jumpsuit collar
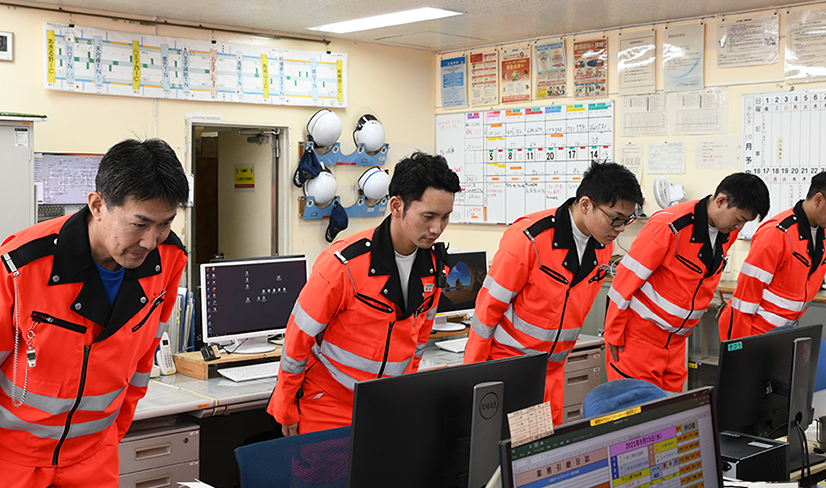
pixel 564 239
pixel 699 234
pixel 383 263
pixel 804 232
pixel 73 264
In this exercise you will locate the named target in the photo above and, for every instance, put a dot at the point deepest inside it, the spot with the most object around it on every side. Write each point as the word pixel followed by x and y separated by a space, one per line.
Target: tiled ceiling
pixel 484 22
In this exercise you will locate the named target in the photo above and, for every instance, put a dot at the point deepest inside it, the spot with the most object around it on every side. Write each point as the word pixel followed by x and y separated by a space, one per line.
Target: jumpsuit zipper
pixel 86 350
pixel 561 321
pixel 41 318
pixel 386 349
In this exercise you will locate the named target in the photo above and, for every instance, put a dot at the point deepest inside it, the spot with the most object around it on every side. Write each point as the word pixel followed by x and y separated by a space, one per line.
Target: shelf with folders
pixel 308 210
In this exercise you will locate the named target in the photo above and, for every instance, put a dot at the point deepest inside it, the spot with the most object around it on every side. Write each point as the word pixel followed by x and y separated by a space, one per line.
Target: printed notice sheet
pixel 591 68
pixel 665 158
pixel 636 60
pixel 698 112
pixel 516 74
pixel 719 152
pixel 454 82
pixel 748 42
pixel 551 74
pixel 643 115
pixel 631 158
pixel 484 69
pixel 530 424
pixel 806 45
pixel 683 58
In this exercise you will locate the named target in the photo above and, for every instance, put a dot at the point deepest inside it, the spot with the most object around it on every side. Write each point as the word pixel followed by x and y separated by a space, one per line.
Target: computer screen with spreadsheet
pixel 667 443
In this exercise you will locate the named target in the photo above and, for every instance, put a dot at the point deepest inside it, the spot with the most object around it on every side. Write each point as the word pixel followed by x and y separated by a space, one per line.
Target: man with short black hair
pixel 666 281
pixel 82 298
pixel 369 304
pixel 783 270
pixel 547 273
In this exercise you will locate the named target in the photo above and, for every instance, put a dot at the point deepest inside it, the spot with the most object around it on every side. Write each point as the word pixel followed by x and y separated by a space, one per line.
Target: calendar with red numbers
pixel 515 161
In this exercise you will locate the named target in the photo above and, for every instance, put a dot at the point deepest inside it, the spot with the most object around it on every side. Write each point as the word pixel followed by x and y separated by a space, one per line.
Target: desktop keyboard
pixel 251 372
pixel 453 345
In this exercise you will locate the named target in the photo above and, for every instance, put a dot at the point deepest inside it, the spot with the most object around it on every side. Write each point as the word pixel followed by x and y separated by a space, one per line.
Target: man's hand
pixel 289 430
pixel 614 350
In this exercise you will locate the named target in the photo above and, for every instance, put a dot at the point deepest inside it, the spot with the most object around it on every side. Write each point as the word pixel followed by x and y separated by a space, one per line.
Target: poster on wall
pixel 591 68
pixel 106 62
pixel 698 112
pixel 454 82
pixel 683 57
pixel 516 74
pixel 643 115
pixel 635 63
pixel 484 69
pixel 806 46
pixel 748 42
pixel 551 73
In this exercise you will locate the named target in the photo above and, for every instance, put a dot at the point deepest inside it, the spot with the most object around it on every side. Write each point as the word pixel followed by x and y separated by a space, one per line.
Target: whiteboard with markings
pixel 513 162
pixel 783 144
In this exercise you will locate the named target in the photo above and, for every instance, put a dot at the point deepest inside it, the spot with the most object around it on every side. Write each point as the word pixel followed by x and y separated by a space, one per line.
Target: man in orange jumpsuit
pixel 783 270
pixel 547 272
pixel 82 298
pixel 667 279
pixel 369 304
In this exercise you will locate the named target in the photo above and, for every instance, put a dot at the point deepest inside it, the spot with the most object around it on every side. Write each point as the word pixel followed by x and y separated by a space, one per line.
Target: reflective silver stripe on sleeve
pixel 558 357
pixel 161 329
pixel 615 297
pixel 790 305
pixel 290 365
pixel 307 324
pixel 483 330
pixel 542 334
pixel 54 406
pixel 343 379
pixel 641 271
pixel 669 307
pixel 773 318
pixel 9 421
pixel 744 306
pixel 647 314
pixel 3 356
pixel 368 366
pixel 419 350
pixel 140 380
pixel 755 272
pixel 431 314
pixel 505 339
pixel 498 291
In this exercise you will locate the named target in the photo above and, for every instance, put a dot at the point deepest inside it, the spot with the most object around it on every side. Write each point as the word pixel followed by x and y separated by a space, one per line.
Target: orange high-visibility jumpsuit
pixel 537 295
pixel 782 272
pixel 662 289
pixel 350 324
pixel 92 360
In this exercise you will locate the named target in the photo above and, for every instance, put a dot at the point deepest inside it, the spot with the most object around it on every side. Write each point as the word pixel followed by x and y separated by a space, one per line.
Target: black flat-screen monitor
pixel 414 430
pixel 754 378
pixel 668 442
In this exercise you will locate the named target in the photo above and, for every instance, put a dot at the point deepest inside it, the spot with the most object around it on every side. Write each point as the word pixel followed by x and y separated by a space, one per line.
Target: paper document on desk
pixel 194 484
pixel 530 424
pixel 758 484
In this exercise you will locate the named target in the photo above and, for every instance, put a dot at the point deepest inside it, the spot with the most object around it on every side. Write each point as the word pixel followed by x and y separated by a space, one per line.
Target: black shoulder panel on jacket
pixel 31 251
pixel 173 239
pixel 683 222
pixel 541 225
pixel 787 223
pixel 356 249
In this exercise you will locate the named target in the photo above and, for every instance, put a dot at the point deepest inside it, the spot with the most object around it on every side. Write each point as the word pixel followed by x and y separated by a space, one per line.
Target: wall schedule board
pixel 783 143
pixel 512 162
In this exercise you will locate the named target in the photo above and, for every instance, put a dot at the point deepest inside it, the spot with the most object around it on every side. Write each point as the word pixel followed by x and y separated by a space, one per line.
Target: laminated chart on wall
pixel 96 61
pixel 783 143
pixel 65 179
pixel 513 162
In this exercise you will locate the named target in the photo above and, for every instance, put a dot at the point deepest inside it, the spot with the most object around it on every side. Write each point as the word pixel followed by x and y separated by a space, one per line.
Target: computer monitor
pixel 414 430
pixel 249 300
pixel 468 270
pixel 668 442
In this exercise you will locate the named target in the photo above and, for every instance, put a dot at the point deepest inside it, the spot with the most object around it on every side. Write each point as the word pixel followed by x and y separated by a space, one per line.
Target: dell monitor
pixel 760 377
pixel 247 301
pixel 414 430
pixel 468 270
pixel 672 441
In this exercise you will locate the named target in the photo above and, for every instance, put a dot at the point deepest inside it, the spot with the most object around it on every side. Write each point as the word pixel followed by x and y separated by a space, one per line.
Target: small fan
pixel 667 193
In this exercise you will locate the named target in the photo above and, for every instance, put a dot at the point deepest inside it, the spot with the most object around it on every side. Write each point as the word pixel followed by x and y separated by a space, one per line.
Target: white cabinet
pixel 159 452
pixel 18 207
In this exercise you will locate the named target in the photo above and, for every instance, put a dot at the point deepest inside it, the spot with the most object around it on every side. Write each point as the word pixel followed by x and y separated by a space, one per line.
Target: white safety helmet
pixel 374 183
pixel 322 188
pixel 369 132
pixel 324 127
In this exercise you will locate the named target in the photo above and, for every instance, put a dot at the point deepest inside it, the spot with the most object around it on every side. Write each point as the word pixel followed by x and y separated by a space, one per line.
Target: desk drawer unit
pixel 582 373
pixel 157 454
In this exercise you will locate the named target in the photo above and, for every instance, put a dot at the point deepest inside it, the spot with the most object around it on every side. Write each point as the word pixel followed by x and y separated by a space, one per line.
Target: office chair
pixel 317 459
pixel 618 395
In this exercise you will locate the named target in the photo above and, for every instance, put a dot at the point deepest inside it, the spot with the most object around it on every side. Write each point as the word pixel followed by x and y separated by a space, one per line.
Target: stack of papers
pixel 453 345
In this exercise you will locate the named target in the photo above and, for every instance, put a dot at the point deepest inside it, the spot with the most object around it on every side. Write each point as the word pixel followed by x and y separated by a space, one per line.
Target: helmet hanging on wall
pixel 374 183
pixel 322 188
pixel 324 128
pixel 369 132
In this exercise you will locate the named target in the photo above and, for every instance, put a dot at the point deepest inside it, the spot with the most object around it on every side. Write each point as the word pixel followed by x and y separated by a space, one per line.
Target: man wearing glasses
pixel 547 272
pixel 667 279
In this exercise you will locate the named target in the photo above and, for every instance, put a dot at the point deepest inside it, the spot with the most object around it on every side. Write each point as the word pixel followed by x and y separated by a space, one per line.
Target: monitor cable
pixel 805 467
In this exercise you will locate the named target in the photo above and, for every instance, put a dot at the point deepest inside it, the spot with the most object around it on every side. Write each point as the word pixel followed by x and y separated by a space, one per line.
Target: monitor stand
pixel 800 401
pixel 253 345
pixel 485 432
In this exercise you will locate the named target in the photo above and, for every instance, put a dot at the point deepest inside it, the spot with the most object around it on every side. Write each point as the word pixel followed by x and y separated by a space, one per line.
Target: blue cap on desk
pixel 618 395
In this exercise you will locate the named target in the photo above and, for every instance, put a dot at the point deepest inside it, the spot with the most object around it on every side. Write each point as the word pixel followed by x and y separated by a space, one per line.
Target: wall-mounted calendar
pixel 516 161
pixel 783 143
